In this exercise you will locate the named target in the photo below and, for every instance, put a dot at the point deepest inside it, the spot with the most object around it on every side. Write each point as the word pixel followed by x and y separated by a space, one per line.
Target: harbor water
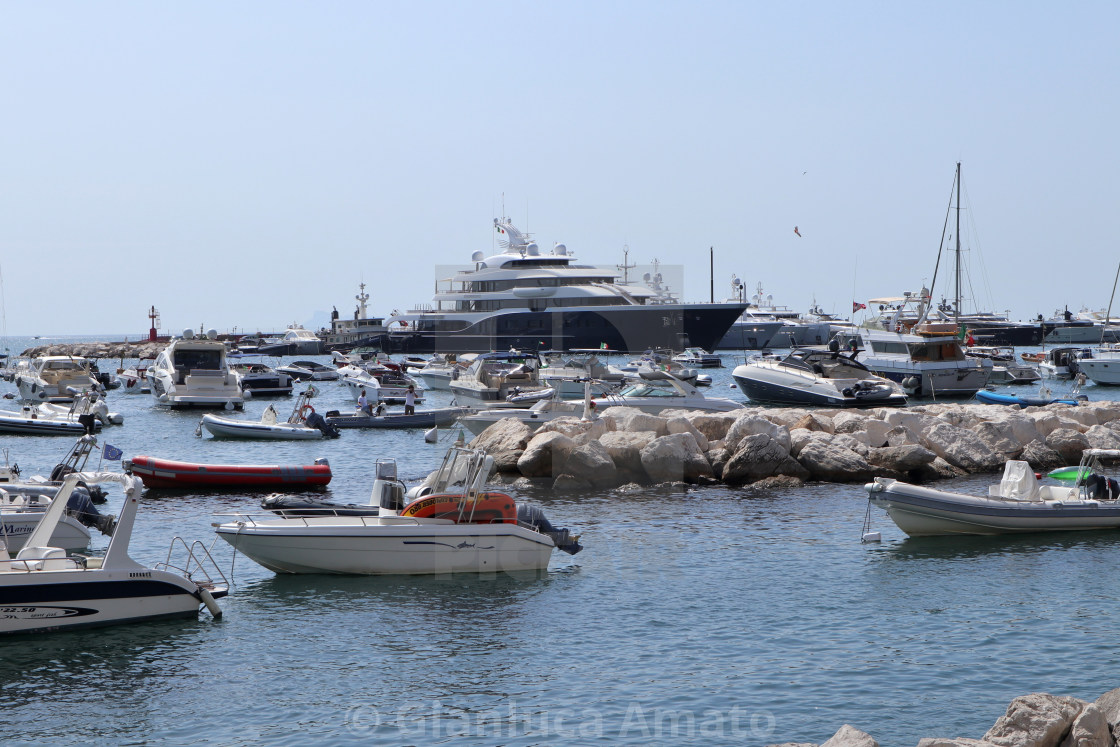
pixel 699 616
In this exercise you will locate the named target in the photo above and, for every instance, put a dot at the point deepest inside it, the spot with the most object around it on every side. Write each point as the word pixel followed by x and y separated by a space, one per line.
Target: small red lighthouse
pixel 153 315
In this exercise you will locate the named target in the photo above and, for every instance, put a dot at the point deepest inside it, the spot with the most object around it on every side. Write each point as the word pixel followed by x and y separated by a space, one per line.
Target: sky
pixel 244 166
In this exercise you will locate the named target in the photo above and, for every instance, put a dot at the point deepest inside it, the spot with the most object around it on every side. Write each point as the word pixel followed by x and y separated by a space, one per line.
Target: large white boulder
pixel 677 424
pixel 832 463
pixel 591 462
pixel 546 455
pixel 1068 442
pixel 505 441
pixel 674 458
pixel 750 424
pixel 633 419
pixel 1035 720
pixel 760 456
pixel 961 448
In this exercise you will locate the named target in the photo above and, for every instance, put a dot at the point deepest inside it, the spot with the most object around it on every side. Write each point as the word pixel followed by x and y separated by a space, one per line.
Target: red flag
pixel 796 231
pixel 856 306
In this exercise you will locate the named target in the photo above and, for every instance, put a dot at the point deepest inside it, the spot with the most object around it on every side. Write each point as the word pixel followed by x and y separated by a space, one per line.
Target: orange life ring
pixel 487 508
pixel 303 411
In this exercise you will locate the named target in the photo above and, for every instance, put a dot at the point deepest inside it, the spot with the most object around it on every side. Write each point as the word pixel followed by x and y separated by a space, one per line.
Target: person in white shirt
pixel 410 401
pixel 363 403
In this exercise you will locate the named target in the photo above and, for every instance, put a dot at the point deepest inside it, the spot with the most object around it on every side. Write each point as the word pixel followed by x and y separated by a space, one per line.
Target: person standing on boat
pixel 363 403
pixel 410 401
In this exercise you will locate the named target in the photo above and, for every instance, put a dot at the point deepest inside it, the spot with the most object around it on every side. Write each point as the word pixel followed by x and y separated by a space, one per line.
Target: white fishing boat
pixel 304 424
pixel 1063 362
pixel 814 376
pixel 1104 367
pixel 194 372
pixel 134 378
pixel 450 525
pixel 42 588
pixel 1019 503
pixel 698 358
pixel 54 378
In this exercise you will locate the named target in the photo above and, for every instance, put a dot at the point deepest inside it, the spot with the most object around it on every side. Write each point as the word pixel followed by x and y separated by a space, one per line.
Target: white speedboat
pixel 658 390
pixel 260 378
pixel 540 413
pixel 42 588
pixel 440 371
pixel 86 414
pixel 566 372
pixel 54 378
pixel 926 366
pixel 698 358
pixel 810 376
pixel 295 341
pixel 194 372
pixel 134 379
pixel 1017 504
pixel 23 505
pixel 304 424
pixel 494 377
pixel 451 526
pixel 309 371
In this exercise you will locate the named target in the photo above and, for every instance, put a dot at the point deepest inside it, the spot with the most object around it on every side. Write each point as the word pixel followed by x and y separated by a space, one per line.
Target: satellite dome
pixel 477 257
pixel 188 334
pixel 532 249
pixel 560 249
pixel 212 334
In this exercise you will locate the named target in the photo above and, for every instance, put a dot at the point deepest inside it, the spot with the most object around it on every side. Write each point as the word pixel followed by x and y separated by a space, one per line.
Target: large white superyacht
pixel 521 298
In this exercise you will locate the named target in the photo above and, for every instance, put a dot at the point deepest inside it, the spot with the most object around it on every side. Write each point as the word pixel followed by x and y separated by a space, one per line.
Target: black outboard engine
pixel 534 516
pixel 315 420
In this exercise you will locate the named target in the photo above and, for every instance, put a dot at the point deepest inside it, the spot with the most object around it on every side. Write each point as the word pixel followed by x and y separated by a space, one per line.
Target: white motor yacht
pixel 565 372
pixel 304 424
pixel 1063 362
pixel 813 376
pixel 309 371
pixel 452 525
pixel 53 378
pixel 45 589
pixel 194 372
pixel 260 378
pixel 1103 368
pixel 926 366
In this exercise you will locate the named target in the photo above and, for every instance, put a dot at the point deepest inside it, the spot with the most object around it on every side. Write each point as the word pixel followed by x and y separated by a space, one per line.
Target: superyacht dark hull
pixel 617 328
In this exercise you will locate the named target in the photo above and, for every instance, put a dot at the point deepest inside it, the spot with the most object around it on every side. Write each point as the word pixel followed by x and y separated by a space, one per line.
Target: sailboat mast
pixel 957 302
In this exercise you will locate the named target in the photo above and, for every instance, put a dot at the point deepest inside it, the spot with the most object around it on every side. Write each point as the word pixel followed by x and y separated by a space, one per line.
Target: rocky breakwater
pixel 784 446
pixel 1035 720
pixel 97 350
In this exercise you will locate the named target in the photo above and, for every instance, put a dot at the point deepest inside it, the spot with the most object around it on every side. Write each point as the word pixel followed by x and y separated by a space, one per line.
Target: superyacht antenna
pixel 626 267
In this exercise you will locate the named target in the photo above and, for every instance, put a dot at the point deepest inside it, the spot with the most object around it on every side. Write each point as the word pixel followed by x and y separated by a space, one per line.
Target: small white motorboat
pixel 42 588
pixel 452 525
pixel 1019 503
pixel 302 425
pixel 309 371
pixel 86 414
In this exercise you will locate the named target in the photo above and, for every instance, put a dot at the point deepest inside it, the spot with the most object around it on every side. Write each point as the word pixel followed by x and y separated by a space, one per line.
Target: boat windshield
pixel 198 360
pixel 936 351
pixel 647 390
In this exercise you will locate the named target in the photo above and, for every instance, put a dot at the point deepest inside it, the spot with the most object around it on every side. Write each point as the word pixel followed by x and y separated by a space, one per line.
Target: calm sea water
pixel 708 616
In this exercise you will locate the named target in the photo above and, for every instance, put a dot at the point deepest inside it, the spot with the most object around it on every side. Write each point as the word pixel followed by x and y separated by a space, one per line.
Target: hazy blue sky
pixel 246 164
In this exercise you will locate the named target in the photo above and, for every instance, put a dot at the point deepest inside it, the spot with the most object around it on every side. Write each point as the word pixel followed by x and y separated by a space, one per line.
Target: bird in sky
pixel 796 231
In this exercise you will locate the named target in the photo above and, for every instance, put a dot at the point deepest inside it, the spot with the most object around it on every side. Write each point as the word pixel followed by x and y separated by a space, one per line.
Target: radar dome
pixel 532 249
pixel 477 257
pixel 212 334
pixel 560 249
pixel 188 334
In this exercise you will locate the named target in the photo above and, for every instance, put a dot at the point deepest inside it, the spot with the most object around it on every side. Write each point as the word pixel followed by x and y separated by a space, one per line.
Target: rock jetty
pixel 97 350
pixel 1035 720
pixel 772 447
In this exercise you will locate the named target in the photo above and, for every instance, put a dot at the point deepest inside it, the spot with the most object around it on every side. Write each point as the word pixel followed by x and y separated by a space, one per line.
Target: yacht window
pixel 196 360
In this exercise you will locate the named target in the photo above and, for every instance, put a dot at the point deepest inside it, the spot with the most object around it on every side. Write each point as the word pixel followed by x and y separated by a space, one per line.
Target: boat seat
pixel 1018 483
pixel 44 558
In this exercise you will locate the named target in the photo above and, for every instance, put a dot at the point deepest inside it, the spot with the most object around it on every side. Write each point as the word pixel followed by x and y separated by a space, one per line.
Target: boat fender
pixel 208 599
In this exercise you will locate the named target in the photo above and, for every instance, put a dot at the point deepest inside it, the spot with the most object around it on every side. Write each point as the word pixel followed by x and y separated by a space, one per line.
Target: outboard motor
pixel 388 491
pixel 315 420
pixel 534 517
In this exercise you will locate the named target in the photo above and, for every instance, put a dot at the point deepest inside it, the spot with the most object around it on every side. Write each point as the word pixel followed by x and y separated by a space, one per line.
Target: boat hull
pixel 620 328
pixel 807 392
pixel 750 335
pixel 55 600
pixel 29 426
pixel 421 419
pixel 16 527
pixel 361 546
pixel 165 473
